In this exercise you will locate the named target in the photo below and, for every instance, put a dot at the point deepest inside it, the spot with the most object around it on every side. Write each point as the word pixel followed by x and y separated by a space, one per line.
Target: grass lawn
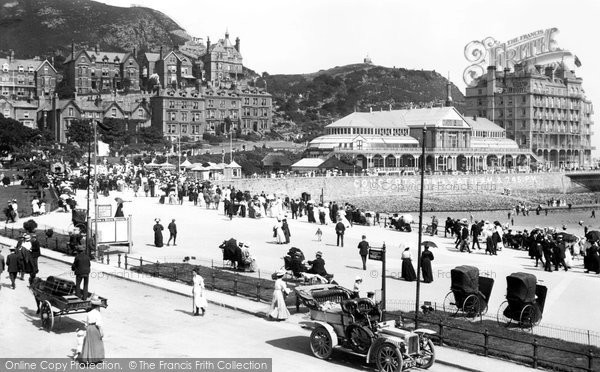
pixel 214 278
pixel 509 343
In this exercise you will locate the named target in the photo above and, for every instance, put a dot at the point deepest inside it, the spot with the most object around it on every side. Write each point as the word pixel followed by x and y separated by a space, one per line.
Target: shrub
pixel 49 233
pixel 30 226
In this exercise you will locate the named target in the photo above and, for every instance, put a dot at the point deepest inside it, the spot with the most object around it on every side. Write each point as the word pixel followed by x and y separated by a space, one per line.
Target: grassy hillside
pixel 42 27
pixel 305 103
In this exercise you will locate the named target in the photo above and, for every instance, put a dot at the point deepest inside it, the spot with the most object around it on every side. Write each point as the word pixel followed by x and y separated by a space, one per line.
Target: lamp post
pixel 420 227
pixel 87 221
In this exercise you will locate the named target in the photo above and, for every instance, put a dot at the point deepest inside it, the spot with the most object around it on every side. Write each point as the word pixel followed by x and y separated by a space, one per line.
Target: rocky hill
pixel 44 27
pixel 305 103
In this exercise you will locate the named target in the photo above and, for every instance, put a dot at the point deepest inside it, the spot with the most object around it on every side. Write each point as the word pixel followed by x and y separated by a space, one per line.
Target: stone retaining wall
pixel 342 187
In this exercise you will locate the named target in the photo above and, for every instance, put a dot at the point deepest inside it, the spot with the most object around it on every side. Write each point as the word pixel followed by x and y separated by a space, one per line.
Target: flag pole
pixel 87 223
pixel 95 237
pixel 420 228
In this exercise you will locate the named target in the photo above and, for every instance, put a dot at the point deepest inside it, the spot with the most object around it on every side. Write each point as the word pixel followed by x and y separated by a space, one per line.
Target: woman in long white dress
pixel 278 232
pixel 278 310
pixel 200 302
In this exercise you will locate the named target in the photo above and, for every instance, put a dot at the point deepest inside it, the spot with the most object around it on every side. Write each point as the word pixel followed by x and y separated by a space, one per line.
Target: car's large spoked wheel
pixel 502 319
pixel 426 354
pixel 360 338
pixel 529 317
pixel 320 343
pixel 471 306
pixel 450 306
pixel 47 316
pixel 388 359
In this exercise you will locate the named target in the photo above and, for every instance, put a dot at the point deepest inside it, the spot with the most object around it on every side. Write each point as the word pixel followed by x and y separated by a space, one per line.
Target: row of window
pixel 194 129
pixel 6 67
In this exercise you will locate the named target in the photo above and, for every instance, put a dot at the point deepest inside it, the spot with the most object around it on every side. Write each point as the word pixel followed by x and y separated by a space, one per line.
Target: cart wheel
pixel 426 356
pixel 320 343
pixel 500 317
pixel 47 316
pixel 471 306
pixel 529 318
pixel 388 358
pixel 450 304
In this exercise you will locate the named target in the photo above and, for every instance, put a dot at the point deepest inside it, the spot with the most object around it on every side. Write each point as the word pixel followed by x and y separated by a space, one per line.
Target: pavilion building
pixel 391 141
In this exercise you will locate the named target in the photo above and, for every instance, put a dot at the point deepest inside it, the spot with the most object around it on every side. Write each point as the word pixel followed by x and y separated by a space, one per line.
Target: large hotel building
pixel 544 109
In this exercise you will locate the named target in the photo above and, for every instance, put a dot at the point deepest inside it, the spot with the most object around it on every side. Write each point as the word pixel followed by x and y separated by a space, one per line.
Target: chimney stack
pixel 207 43
pixel 11 58
pixel 96 47
pixel 160 54
pixel 237 44
pixel 134 53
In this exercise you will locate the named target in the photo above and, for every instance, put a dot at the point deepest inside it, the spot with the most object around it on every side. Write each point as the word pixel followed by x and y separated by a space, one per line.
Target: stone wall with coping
pixel 343 187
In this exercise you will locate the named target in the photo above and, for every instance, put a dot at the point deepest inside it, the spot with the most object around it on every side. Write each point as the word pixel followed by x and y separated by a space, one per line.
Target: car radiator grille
pixel 412 344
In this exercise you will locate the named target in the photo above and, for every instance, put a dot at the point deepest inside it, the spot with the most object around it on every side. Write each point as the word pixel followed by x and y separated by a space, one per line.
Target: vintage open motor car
pixel 356 326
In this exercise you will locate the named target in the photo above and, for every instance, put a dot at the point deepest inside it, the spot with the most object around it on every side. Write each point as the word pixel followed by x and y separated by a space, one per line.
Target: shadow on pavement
pixel 62 324
pixel 301 345
pixel 190 313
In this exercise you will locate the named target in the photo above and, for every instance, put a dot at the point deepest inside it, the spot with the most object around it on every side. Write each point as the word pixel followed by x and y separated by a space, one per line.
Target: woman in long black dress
pixel 426 258
pixel 158 236
pixel 408 271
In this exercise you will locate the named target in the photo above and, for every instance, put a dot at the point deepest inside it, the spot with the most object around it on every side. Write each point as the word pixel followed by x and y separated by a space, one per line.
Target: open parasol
pixel 429 244
pixel 593 236
pixel 118 200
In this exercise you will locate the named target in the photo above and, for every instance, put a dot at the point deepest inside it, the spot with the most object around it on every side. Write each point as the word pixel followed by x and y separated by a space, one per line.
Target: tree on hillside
pixel 64 90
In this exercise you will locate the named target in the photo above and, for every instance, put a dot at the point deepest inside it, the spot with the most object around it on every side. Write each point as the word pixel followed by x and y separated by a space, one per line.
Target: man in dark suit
pixel 81 267
pixel 318 265
pixel 363 249
pixel 294 206
pixel 475 232
pixel 172 233
pixel 12 266
pixel 35 254
pixel 339 230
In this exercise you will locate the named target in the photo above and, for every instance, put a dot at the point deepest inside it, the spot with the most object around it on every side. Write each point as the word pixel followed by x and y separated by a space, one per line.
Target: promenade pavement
pixel 448 359
pixel 200 231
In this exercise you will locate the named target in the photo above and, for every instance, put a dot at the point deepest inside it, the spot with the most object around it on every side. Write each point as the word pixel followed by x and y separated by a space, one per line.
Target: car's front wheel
pixel 426 355
pixel 388 358
pixel 321 343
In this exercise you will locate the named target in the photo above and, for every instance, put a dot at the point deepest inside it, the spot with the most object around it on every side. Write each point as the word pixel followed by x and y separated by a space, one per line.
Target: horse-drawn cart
pixel 58 293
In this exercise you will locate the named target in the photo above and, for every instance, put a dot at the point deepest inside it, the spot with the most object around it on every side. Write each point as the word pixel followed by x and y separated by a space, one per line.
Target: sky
pixel 303 36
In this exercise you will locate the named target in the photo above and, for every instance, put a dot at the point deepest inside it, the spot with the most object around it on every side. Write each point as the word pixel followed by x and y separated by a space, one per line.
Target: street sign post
pixel 378 254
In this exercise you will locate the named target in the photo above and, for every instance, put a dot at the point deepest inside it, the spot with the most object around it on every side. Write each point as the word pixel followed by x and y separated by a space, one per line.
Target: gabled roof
pixel 173 53
pixel 45 62
pixel 26 63
pixel 108 105
pixel 152 57
pixel 400 118
pixel 483 124
pixel 377 119
pixel 308 163
pixel 76 55
pixel 89 106
pixel 111 56
pixel 233 164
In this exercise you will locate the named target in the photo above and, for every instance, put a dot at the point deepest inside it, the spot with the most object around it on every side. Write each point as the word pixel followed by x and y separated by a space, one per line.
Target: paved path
pixel 201 231
pixel 144 322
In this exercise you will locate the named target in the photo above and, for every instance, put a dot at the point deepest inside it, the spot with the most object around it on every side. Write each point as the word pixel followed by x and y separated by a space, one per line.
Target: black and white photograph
pixel 275 186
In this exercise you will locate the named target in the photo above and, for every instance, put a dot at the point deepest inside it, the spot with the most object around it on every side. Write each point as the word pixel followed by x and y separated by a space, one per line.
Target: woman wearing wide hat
pixel 92 350
pixel 278 309
pixel 158 236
